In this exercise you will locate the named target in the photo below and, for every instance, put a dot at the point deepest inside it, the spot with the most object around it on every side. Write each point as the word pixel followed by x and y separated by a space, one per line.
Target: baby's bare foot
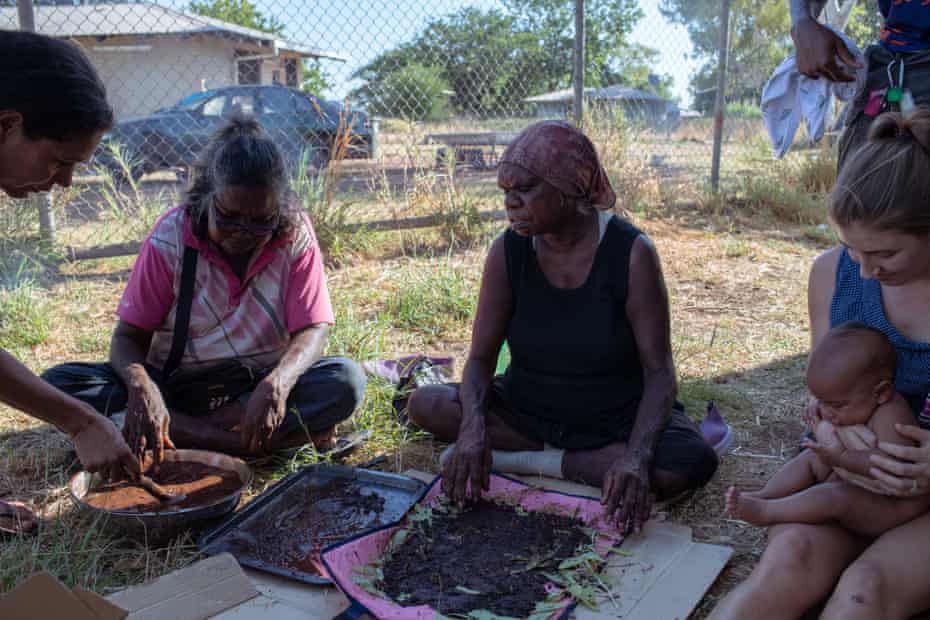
pixel 746 507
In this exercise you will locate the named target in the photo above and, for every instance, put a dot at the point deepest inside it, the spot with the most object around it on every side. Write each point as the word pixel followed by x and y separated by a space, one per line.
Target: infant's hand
pixel 828 445
pixel 811 413
pixel 857 437
pixel 826 433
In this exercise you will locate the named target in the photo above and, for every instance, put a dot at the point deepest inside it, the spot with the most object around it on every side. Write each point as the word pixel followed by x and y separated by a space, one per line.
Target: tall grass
pixel 354 335
pixel 80 551
pixel 25 318
pixel 315 191
pixel 793 190
pixel 636 183
pixel 432 300
pixel 23 253
pixel 130 211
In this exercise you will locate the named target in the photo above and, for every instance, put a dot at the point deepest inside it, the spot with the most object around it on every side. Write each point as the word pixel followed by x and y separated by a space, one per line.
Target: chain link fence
pixel 383 91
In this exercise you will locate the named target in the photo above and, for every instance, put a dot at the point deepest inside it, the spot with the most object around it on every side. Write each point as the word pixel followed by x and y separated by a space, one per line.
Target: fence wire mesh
pixel 384 91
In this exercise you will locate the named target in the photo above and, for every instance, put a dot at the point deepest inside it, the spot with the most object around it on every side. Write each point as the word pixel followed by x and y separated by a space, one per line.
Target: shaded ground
pixel 737 285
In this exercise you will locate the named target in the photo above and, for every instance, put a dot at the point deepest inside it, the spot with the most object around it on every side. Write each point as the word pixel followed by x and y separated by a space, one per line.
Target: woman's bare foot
pixel 746 506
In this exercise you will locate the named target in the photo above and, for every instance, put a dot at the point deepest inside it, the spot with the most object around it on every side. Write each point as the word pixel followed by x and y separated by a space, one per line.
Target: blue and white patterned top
pixel 855 299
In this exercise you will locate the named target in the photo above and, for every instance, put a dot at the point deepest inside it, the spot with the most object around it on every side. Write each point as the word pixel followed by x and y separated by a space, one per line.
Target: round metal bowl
pixel 154 528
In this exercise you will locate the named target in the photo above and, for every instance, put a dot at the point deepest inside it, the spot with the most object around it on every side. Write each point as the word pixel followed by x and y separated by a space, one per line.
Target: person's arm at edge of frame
pixel 816 46
pixel 129 348
pixel 471 460
pixel 96 440
pixel 648 310
pixel 304 350
pixel 805 9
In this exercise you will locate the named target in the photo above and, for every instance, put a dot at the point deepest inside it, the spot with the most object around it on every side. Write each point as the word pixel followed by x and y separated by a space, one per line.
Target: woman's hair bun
pixel 896 126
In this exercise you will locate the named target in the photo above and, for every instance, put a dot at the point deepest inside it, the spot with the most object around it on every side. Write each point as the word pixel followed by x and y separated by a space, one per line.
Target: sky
pixel 362 29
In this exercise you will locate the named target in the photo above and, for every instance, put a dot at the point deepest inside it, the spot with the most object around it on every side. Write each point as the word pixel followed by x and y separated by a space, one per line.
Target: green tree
pixel 314 79
pixel 865 24
pixel 485 63
pixel 241 12
pixel 493 60
pixel 610 58
pixel 415 92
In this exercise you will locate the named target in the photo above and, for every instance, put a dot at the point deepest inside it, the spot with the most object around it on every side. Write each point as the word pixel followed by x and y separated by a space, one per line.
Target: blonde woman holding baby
pixel 879 276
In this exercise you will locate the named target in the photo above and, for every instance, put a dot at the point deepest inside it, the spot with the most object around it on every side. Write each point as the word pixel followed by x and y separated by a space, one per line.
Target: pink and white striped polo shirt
pixel 251 320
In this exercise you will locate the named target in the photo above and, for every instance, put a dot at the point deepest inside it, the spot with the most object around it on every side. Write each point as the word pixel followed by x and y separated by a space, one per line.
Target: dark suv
pixel 172 137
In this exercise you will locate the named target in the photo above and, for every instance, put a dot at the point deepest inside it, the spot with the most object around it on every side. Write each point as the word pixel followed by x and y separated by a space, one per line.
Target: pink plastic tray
pixel 341 559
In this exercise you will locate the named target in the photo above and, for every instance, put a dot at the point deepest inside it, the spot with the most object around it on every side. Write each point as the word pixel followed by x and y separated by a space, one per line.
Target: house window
pixel 291 75
pixel 249 71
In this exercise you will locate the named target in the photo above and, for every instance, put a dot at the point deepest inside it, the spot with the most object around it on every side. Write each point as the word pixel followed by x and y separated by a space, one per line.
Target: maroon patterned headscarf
pixel 566 158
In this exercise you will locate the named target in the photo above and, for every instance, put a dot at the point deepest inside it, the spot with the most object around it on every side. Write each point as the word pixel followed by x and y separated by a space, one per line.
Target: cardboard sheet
pixel 196 592
pixel 284 599
pixel 100 606
pixel 43 596
pixel 663 579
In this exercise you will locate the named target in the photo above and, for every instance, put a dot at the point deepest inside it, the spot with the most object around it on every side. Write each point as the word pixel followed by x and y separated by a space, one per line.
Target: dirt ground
pixel 737 284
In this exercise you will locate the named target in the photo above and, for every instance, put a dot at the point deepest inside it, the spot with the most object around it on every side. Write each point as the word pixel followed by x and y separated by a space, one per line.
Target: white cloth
pixel 790 95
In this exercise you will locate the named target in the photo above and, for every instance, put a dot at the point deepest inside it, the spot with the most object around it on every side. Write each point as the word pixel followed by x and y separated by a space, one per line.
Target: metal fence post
pixel 720 101
pixel 42 200
pixel 579 61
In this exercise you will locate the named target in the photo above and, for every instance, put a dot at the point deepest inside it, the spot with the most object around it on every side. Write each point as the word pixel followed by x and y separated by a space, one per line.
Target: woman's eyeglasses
pixel 235 224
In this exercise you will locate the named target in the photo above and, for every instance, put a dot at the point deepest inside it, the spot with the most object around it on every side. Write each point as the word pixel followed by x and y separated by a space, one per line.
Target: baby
pixel 851 374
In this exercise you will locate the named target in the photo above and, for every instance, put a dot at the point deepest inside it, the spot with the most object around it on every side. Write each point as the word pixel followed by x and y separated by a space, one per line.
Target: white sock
pixel 546 462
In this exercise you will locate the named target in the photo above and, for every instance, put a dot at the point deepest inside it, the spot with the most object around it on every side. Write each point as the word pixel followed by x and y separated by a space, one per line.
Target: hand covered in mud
pixel 469 467
pixel 625 492
pixel 102 449
pixel 264 414
pixel 147 421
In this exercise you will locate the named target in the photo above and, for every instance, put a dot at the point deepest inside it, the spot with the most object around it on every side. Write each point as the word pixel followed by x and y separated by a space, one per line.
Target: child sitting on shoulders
pixel 851 374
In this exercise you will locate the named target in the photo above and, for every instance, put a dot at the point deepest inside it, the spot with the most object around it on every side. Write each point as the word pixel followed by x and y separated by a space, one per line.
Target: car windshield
pixel 192 102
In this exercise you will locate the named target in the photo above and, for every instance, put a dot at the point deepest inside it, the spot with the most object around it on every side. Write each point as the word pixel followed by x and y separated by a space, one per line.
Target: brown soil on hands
pixel 201 484
pixel 308 521
pixel 489 557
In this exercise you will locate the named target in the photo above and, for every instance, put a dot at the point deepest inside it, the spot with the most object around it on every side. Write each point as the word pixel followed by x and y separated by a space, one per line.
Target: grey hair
pixel 239 153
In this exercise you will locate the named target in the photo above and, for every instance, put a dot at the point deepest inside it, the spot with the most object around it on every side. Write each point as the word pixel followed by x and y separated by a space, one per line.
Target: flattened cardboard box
pixel 197 592
pixel 43 597
pixel 200 591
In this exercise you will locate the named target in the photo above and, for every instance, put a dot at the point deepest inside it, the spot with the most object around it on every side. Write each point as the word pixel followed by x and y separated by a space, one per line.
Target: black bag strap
pixel 182 318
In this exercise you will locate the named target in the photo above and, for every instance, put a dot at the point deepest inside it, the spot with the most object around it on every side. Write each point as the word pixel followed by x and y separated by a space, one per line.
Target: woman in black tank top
pixel 579 297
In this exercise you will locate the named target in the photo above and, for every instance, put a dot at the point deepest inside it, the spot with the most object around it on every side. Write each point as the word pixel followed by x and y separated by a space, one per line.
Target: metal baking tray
pixel 282 530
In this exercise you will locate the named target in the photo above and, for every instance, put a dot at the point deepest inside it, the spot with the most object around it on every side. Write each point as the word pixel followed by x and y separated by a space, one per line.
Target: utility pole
pixel 42 200
pixel 721 102
pixel 579 62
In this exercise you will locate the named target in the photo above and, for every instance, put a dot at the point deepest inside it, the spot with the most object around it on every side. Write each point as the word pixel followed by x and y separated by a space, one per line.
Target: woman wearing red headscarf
pixel 578 294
